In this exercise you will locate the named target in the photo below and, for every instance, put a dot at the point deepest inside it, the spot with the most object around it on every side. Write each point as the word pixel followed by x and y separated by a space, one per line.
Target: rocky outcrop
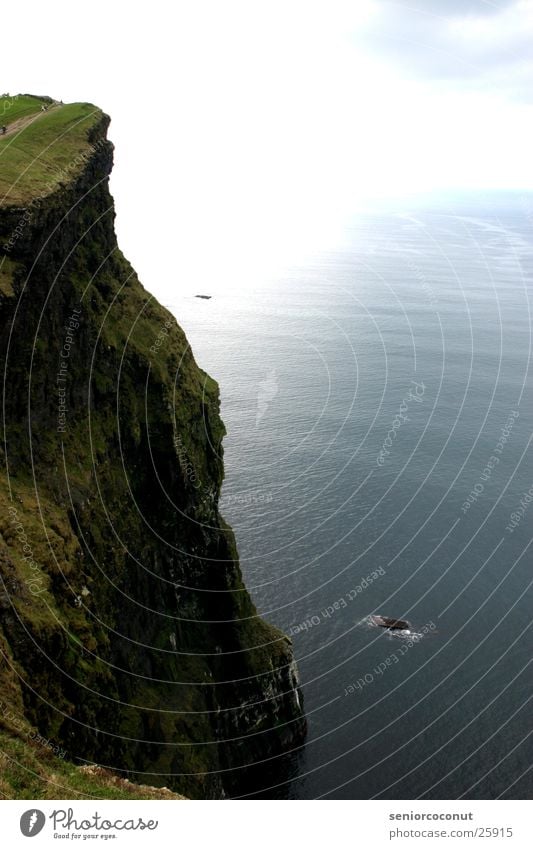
pixel 129 637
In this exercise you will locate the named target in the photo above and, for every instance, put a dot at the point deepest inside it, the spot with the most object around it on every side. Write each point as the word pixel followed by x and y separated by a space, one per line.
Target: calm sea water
pixel 413 337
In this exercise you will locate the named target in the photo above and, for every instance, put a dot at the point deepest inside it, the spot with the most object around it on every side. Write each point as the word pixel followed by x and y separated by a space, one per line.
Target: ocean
pixel 378 404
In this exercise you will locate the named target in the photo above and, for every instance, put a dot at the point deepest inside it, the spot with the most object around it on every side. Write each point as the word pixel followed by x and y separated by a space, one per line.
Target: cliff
pixel 128 638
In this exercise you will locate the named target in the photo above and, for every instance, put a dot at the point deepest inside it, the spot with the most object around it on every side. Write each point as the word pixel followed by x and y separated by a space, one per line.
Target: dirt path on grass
pixel 20 123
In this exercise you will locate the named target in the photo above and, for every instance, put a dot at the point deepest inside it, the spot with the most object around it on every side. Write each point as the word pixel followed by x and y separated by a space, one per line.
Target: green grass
pixel 7 268
pixel 44 153
pixel 29 770
pixel 20 106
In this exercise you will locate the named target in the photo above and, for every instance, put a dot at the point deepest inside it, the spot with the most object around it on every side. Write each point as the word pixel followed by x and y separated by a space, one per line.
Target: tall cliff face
pixel 127 635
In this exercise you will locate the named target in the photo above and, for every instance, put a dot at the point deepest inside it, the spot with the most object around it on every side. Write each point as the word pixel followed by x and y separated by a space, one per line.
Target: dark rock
pixel 391 624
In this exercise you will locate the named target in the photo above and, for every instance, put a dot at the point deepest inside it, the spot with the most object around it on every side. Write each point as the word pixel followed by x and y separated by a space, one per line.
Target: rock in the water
pixel 391 624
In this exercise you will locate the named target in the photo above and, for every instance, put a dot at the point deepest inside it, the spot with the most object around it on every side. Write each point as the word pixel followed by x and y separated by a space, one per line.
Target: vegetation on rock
pixel 127 636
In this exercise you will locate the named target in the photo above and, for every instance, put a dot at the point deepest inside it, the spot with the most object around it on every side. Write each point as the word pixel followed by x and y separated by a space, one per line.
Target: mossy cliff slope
pixel 127 636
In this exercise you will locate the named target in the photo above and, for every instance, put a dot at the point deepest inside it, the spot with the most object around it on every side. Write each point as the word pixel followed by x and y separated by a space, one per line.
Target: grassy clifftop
pixel 45 144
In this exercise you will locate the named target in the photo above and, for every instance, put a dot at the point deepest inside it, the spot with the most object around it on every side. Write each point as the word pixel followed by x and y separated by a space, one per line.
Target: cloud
pixel 448 8
pixel 483 45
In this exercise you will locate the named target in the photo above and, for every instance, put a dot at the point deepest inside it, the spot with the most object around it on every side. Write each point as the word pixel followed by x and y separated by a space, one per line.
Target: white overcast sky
pixel 248 129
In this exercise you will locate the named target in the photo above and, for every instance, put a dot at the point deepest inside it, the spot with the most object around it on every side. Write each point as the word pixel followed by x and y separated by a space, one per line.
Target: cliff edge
pixel 127 637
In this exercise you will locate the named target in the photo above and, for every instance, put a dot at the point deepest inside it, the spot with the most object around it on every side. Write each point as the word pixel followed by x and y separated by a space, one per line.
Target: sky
pixel 246 132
